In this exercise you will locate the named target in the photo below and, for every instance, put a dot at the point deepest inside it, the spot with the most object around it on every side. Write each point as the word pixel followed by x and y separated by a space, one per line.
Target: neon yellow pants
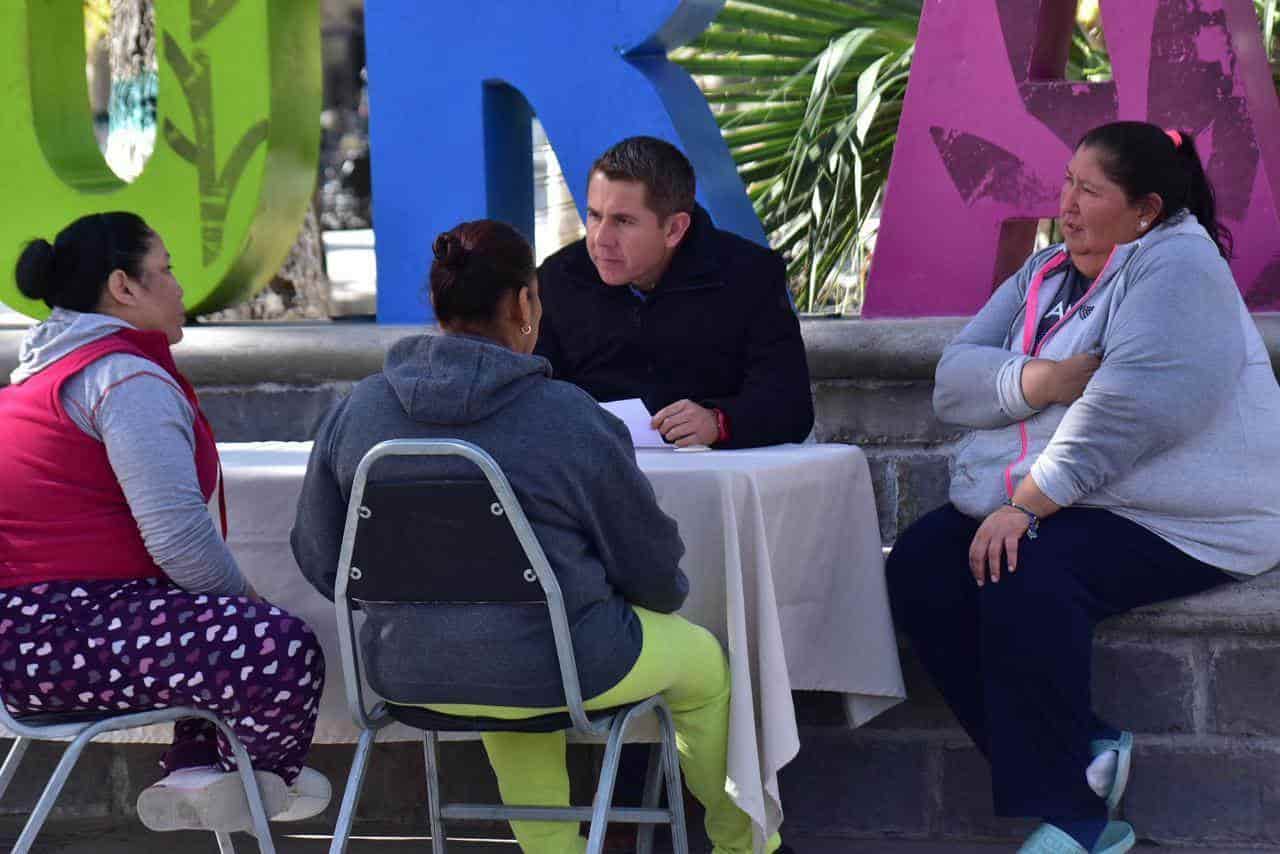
pixel 678 659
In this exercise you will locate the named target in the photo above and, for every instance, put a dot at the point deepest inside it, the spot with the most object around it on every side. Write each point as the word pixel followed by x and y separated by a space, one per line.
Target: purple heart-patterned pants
pixel 68 646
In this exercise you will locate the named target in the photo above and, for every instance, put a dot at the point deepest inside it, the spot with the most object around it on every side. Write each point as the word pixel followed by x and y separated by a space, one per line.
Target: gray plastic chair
pixel 376 566
pixel 83 727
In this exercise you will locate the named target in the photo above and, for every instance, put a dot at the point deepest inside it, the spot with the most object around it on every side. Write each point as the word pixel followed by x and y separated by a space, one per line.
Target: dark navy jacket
pixel 718 329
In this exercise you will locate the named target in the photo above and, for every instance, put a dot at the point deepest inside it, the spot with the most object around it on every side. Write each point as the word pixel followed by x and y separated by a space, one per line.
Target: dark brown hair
pixel 1144 158
pixel 667 176
pixel 72 271
pixel 475 264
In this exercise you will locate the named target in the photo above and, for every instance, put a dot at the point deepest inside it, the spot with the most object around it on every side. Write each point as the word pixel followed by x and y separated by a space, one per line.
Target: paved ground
pixel 89 841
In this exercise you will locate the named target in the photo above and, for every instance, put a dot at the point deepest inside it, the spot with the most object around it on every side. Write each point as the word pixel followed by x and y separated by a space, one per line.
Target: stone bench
pixel 1198 681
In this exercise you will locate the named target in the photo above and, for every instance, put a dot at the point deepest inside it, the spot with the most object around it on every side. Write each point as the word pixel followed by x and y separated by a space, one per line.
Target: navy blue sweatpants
pixel 1013 659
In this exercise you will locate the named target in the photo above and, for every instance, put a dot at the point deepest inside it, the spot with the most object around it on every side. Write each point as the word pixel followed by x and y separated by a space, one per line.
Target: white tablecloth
pixel 784 562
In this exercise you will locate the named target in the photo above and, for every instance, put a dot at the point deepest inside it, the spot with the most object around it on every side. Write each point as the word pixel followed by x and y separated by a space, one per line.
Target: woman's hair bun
pixel 449 251
pixel 34 270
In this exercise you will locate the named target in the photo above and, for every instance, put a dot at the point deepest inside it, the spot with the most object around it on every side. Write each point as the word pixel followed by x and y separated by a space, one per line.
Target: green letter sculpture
pixel 237 139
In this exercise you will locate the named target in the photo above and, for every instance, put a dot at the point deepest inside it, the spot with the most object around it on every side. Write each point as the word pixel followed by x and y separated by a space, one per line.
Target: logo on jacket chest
pixel 1085 311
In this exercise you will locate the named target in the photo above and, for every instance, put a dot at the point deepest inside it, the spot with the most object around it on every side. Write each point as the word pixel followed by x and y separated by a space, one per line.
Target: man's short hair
pixel 664 171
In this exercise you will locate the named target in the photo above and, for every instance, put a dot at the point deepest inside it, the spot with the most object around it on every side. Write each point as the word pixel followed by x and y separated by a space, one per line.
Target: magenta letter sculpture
pixel 988 126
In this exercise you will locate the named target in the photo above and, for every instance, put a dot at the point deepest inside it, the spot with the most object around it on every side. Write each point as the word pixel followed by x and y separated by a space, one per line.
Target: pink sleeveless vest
pixel 63 516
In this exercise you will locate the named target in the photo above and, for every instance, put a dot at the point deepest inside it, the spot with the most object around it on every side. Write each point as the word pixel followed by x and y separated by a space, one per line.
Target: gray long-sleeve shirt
pixel 1179 429
pixel 147 427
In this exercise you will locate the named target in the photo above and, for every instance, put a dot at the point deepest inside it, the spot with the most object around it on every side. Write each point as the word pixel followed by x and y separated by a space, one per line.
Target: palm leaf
pixel 808 95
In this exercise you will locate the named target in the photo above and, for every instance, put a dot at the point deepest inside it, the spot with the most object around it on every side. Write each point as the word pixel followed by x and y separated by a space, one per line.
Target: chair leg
pixel 604 789
pixel 252 792
pixel 429 745
pixel 225 845
pixel 652 794
pixel 351 795
pixel 675 788
pixel 11 761
pixel 50 794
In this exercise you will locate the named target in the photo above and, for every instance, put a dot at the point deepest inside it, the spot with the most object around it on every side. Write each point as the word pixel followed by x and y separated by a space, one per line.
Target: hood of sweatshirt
pixel 63 332
pixel 458 379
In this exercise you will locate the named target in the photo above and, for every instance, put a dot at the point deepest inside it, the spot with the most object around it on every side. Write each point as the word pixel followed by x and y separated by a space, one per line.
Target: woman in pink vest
pixel 117 590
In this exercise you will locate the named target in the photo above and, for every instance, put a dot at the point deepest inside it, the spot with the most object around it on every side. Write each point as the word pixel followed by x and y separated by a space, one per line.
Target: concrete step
pixel 382 840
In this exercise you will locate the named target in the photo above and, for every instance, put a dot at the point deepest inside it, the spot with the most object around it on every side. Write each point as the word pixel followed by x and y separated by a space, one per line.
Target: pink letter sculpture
pixel 989 124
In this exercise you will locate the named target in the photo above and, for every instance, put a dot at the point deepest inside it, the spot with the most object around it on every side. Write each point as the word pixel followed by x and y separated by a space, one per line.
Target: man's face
pixel 628 243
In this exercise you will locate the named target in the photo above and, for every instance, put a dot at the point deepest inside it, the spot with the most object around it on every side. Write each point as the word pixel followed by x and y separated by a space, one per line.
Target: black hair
pixel 72 271
pixel 1143 158
pixel 475 264
pixel 664 171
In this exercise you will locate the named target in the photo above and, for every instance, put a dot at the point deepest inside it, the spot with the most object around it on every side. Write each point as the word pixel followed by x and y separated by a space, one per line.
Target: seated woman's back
pixel 570 463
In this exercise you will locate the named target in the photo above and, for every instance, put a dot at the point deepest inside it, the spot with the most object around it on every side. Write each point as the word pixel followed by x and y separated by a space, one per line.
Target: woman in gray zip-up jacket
pixel 1124 451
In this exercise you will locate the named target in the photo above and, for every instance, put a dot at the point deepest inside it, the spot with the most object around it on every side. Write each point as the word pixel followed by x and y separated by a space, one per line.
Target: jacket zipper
pixel 1030 348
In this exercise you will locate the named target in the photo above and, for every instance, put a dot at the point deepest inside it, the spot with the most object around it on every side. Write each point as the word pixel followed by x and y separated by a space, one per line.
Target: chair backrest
pixel 414 538
pixel 437 542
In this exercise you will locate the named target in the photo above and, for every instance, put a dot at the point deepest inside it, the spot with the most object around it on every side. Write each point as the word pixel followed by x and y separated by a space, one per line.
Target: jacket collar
pixel 695 265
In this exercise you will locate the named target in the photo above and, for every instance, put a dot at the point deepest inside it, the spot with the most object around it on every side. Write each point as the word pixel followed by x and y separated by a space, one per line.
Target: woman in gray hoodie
pixel 615 553
pixel 1124 451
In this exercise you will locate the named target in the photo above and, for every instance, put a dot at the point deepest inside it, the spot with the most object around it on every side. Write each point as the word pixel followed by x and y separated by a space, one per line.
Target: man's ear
pixel 675 228
pixel 120 288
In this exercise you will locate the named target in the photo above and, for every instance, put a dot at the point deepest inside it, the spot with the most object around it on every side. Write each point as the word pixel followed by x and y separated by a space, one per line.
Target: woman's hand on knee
pixel 997 538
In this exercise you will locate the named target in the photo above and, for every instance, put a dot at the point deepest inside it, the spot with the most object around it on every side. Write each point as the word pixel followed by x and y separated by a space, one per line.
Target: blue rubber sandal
pixel 1117 838
pixel 1123 746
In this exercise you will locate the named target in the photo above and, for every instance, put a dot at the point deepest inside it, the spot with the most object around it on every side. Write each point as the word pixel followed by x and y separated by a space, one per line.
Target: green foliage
pixel 808 94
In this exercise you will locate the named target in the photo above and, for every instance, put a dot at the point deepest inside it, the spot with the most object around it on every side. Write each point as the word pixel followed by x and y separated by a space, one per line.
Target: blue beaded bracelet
pixel 1033 529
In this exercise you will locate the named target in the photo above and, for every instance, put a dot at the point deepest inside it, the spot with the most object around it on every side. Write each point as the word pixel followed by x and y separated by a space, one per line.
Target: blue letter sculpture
pixel 452 94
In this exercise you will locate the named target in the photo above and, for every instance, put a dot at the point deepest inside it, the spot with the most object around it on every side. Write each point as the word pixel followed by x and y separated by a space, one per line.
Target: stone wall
pixel 1197 679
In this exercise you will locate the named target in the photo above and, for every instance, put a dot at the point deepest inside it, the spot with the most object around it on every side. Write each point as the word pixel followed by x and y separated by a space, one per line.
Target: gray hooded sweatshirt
pixel 132 406
pixel 573 469
pixel 1178 430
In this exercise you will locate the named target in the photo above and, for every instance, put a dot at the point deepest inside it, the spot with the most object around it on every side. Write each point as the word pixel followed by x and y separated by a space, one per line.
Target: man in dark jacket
pixel 659 304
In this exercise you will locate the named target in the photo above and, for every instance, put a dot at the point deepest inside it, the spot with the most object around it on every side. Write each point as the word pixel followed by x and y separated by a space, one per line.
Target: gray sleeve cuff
pixel 1055 481
pixel 1009 389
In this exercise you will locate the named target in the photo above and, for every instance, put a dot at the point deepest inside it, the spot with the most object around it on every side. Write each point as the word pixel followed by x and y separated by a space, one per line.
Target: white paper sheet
pixel 632 412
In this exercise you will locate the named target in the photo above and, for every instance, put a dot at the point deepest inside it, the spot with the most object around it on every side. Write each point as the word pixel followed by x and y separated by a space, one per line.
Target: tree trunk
pixel 300 291
pixel 131 135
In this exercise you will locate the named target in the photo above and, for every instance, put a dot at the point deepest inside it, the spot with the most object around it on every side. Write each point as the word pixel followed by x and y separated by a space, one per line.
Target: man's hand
pixel 1046 381
pixel 685 423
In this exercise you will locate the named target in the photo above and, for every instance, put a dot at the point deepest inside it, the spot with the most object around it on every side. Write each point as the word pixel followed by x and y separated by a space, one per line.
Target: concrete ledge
pixel 250 354
pixel 1248 608
pixel 302 353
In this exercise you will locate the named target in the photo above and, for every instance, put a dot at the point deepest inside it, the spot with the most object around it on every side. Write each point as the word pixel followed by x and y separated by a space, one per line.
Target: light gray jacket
pixel 1179 429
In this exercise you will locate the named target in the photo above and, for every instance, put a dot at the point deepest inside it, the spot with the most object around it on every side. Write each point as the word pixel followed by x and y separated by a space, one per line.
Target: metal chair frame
pixel 54 727
pixel 610 726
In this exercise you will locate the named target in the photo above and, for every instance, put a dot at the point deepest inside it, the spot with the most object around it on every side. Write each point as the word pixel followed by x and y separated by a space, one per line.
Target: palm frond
pixel 808 95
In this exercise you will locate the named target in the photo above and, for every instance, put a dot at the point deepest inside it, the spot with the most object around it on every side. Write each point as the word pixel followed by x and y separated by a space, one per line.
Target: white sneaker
pixel 207 798
pixel 307 797
pixel 1101 773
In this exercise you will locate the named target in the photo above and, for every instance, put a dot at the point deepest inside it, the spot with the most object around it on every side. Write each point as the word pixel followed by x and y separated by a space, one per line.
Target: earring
pixel 1142 225
pixel 526 329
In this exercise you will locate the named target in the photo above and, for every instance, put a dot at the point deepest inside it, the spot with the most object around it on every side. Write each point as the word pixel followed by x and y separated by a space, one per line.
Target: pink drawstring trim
pixel 1175 136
